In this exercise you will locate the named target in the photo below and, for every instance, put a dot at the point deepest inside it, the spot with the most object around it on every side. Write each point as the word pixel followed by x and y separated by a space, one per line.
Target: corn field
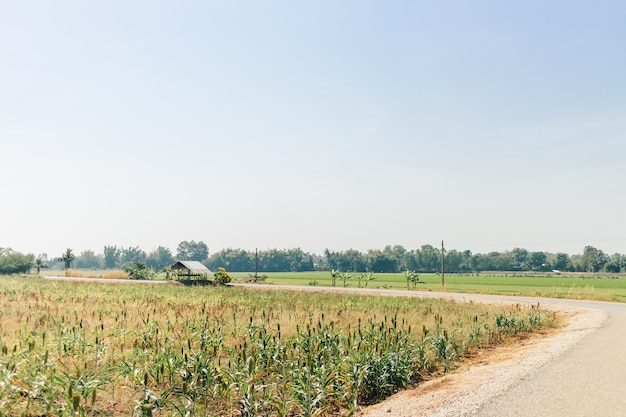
pixel 99 350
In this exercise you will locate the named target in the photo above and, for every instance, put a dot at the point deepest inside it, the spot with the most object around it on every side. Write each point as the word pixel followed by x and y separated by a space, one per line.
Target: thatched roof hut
pixel 191 270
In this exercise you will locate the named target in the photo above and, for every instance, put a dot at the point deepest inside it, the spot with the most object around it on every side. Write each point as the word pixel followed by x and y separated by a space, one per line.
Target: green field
pixel 599 287
pixel 574 286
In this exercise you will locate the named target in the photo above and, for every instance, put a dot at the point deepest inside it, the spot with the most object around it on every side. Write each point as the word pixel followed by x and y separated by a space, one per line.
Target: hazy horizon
pixel 334 125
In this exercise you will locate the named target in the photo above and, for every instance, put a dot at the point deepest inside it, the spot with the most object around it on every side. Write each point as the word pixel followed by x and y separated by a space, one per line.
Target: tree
pixel 378 261
pixel 15 262
pixel 561 262
pixel 192 251
pixel 160 258
pixel 615 263
pixel 133 254
pixel 232 259
pixel 111 257
pixel 334 275
pixel 593 259
pixel 330 259
pixel 88 259
pixel 412 278
pixel 537 261
pixel 453 261
pixel 429 258
pixel 519 258
pixel 397 252
pixel 612 267
pixel 354 261
pixel 366 277
pixel 345 277
pixel 67 258
pixel 41 262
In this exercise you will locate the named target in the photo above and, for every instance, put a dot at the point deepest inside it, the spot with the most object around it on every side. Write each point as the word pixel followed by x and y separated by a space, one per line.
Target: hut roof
pixel 194 267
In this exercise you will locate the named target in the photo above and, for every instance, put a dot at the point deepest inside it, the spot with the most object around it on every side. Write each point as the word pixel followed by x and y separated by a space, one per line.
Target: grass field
pixel 86 349
pixel 597 287
pixel 574 286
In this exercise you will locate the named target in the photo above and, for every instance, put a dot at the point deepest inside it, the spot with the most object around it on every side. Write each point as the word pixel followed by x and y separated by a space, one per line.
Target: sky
pixel 330 124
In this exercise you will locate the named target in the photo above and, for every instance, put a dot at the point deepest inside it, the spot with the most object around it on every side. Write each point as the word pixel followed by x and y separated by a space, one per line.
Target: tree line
pixel 395 258
pixel 428 259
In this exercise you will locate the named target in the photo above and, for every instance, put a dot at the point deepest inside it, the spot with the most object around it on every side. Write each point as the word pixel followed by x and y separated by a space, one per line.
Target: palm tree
pixel 40 262
pixel 67 258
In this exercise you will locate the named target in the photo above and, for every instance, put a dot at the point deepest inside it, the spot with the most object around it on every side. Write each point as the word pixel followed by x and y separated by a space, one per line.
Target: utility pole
pixel 443 258
pixel 256 264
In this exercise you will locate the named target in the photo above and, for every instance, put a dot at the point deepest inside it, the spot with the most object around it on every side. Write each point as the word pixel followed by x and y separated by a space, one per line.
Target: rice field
pixel 605 287
pixel 72 349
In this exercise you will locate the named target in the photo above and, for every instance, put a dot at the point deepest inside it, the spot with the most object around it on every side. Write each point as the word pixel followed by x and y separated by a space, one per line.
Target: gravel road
pixel 586 380
pixel 579 371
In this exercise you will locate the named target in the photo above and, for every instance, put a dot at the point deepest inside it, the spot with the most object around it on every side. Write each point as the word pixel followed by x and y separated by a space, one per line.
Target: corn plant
pixel 70 350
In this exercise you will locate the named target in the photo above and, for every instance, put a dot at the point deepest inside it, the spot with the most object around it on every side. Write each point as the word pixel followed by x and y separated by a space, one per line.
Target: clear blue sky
pixel 321 124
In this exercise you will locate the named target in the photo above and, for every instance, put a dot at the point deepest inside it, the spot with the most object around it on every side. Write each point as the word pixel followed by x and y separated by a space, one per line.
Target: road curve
pixel 588 379
pixel 578 372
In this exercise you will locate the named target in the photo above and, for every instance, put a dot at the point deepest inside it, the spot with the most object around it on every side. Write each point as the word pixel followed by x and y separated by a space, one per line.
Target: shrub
pixel 16 263
pixel 137 270
pixel 222 277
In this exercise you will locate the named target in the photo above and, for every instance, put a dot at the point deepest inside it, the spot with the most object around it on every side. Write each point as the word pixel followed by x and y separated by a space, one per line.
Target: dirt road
pixel 588 379
pixel 580 371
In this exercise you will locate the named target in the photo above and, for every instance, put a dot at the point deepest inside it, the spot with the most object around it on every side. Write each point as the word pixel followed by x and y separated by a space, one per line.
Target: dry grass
pixel 210 351
pixel 114 274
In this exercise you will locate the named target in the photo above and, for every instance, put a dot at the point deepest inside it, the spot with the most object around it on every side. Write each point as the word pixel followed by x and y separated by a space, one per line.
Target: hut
pixel 191 270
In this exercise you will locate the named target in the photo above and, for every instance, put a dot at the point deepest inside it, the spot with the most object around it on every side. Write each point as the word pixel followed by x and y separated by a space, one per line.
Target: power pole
pixel 256 264
pixel 443 258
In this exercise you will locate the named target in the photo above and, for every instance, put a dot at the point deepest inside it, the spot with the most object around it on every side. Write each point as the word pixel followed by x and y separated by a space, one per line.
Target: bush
pixel 16 263
pixel 222 277
pixel 137 270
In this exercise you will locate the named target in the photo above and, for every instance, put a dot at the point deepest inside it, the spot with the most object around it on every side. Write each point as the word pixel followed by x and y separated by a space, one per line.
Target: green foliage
pixel 15 263
pixel 67 258
pixel 365 277
pixel 111 256
pixel 593 259
pixel 160 258
pixel 41 262
pixel 89 260
pixel 412 277
pixel 139 271
pixel 192 251
pixel 132 254
pixel 222 277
